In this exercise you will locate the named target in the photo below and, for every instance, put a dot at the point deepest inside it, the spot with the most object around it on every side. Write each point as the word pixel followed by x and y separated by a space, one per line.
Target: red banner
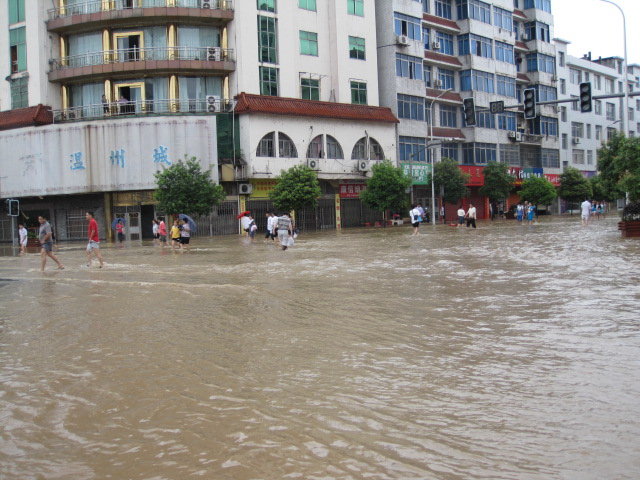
pixel 476 175
pixel 554 178
pixel 351 190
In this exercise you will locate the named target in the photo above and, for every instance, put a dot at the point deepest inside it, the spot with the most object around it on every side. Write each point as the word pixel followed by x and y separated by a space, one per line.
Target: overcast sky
pixel 596 26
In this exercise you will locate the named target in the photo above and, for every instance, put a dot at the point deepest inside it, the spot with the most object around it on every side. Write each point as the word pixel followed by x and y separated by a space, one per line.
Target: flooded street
pixel 509 352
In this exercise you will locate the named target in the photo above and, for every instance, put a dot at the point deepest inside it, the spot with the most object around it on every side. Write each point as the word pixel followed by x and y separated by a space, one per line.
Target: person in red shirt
pixel 94 240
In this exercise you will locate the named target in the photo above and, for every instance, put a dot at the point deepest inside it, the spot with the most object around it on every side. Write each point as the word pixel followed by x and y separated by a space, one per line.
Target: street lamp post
pixel 429 152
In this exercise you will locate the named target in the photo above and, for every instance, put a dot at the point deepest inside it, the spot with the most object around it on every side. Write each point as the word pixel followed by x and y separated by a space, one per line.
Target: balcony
pixel 123 63
pixel 116 13
pixel 141 108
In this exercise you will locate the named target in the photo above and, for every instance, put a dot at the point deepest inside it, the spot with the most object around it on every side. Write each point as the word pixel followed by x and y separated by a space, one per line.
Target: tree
pixel 297 187
pixel 538 190
pixel 598 189
pixel 498 183
pixel 387 188
pixel 450 180
pixel 185 188
pixel 574 187
pixel 619 166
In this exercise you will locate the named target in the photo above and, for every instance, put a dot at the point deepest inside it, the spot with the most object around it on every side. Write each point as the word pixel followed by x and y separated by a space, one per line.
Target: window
pixel 517 28
pixel 474 9
pixel 545 93
pixel 426 74
pixel 408 67
pixel 355 7
pixel 550 158
pixel 544 5
pixel 502 18
pixel 443 9
pixel 609 85
pixel 412 149
pixel 563 114
pixel 478 153
pixel 446 42
pixel 269 81
pixel 19 93
pixel 406 25
pixel 575 76
pixel 598 82
pixel 611 132
pixel 360 150
pixel 611 111
pixel 476 80
pixel 16 11
pixel 334 150
pixel 598 132
pixel 577 130
pixel 631 115
pixel 638 105
pixel 18 49
pixel 448 116
pixel 411 107
pixel 544 126
pixel 510 155
pixel 267 39
pixel 485 119
pixel 586 76
pixel 537 31
pixel 506 86
pixel 358 93
pixel 267 5
pixel 589 157
pixel 286 147
pixel 308 43
pixel 577 156
pixel 266 146
pixel 507 121
pixel 575 106
pixel 425 38
pixel 425 6
pixel 307 5
pixel 565 141
pixel 537 62
pixel 449 150
pixel 563 86
pixel 597 106
pixel 504 53
pixel 588 130
pixel 561 59
pixel 447 78
pixel 356 48
pixel 316 149
pixel 309 89
pixel 471 44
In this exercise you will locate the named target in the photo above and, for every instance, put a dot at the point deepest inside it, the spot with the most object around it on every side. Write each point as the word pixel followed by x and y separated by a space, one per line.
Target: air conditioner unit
pixel 363 166
pixel 512 135
pixel 245 188
pixel 403 40
pixel 206 4
pixel 214 54
pixel 313 163
pixel 519 136
pixel 435 45
pixel 213 103
pixel 576 141
pixel 437 83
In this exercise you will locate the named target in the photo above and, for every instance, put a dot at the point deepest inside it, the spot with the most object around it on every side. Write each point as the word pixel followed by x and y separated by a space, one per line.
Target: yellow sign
pixel 261 188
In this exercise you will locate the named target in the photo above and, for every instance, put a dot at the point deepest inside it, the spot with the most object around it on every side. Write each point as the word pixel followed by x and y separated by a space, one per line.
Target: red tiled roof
pixel 521 45
pixel 451 96
pixel 448 133
pixel 248 103
pixel 522 77
pixel 440 21
pixel 26 117
pixel 440 57
pixel 520 13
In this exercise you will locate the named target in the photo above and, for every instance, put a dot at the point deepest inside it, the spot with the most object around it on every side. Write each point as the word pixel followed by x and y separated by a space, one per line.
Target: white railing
pixel 128 108
pixel 210 54
pixel 96 6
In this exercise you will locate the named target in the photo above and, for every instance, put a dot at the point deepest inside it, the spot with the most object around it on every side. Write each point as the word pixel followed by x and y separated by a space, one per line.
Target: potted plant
pixel 629 226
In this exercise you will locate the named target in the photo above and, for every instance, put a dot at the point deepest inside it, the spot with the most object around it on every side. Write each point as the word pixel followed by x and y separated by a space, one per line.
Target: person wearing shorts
pixel 22 234
pixel 185 235
pixel 93 247
pixel 162 232
pixel 461 215
pixel 46 240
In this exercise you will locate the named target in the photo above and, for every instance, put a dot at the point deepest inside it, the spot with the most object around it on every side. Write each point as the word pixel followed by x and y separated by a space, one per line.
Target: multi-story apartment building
pixel 101 94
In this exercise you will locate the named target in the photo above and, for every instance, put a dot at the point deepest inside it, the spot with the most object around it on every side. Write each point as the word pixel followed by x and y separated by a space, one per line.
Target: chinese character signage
pixel 419 172
pixel 351 190
pixel 261 188
pixel 554 178
pixel 476 175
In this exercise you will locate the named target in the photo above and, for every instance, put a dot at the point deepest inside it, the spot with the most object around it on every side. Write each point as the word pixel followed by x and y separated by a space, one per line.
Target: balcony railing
pixel 127 108
pixel 209 54
pixel 96 6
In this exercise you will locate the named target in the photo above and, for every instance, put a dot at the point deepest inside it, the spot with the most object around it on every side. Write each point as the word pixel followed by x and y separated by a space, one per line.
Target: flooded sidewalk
pixel 506 352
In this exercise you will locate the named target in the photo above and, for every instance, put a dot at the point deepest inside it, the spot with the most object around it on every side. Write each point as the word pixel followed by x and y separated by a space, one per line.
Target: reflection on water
pixel 510 352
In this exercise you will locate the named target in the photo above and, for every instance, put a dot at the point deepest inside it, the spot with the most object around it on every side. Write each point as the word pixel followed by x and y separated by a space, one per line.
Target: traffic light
pixel 529 103
pixel 585 97
pixel 469 111
pixel 14 208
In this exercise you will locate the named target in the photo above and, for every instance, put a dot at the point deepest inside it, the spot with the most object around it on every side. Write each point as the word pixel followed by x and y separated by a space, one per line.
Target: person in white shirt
pixel 414 215
pixel 461 214
pixel 245 222
pixel 272 220
pixel 471 216
pixel 22 233
pixel 586 211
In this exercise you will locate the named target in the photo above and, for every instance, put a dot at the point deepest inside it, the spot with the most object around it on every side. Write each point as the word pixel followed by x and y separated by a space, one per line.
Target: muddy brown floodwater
pixel 509 352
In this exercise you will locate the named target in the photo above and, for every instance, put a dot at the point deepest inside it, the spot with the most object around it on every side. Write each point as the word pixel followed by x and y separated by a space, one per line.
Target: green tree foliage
pixel 498 183
pixel 574 187
pixel 599 191
pixel 449 179
pixel 387 188
pixel 185 188
pixel 619 166
pixel 297 187
pixel 538 191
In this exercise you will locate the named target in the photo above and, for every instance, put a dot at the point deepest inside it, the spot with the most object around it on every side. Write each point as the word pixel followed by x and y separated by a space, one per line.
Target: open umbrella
pixel 115 222
pixel 192 224
pixel 242 214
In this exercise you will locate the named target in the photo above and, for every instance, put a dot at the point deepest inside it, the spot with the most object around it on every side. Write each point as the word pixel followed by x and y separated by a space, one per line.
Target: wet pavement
pixel 508 352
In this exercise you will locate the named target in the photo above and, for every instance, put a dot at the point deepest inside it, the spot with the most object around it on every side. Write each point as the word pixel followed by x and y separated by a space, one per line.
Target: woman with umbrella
pixel 186 227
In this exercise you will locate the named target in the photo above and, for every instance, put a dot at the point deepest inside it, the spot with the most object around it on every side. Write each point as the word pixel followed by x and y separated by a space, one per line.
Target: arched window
pixel 266 146
pixel 286 148
pixel 315 149
pixel 360 150
pixel 334 150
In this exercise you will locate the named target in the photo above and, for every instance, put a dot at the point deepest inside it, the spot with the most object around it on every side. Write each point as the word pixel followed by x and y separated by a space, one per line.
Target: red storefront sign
pixel 476 175
pixel 554 178
pixel 351 190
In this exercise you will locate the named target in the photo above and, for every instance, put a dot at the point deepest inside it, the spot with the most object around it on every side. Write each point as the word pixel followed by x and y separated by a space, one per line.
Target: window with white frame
pixel 577 130
pixel 577 155
pixel 575 76
pixel 611 111
pixel 449 116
